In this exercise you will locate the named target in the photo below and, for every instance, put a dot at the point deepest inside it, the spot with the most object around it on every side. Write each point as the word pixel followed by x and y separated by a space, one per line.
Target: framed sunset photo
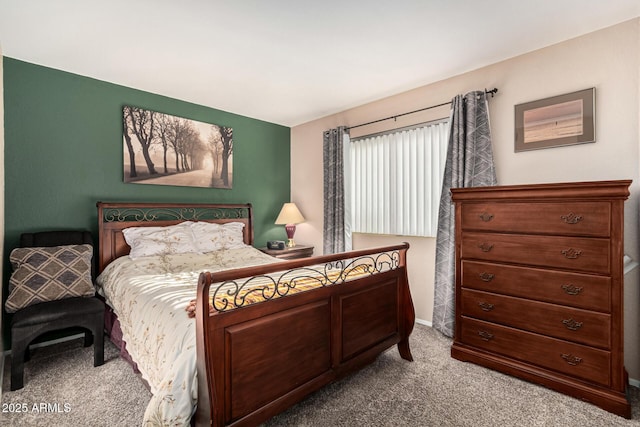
pixel 556 121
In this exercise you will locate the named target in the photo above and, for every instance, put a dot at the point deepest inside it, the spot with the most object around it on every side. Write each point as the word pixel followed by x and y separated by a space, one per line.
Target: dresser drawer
pixel 573 289
pixel 561 356
pixel 577 219
pixel 573 253
pixel 572 324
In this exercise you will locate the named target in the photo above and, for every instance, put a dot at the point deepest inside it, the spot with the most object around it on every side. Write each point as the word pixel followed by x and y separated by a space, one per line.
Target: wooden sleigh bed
pixel 261 349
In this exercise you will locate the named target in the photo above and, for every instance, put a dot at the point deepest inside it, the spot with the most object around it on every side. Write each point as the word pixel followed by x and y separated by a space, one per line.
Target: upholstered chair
pixel 37 318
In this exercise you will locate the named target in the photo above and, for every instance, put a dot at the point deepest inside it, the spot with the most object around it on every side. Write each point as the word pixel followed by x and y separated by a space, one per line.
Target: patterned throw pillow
pixel 43 274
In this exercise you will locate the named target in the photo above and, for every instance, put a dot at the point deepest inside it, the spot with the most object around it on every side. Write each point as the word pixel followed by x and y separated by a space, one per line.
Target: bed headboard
pixel 115 217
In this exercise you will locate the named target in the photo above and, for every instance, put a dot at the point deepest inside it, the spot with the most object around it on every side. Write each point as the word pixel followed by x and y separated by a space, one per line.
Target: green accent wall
pixel 63 153
pixel 64 150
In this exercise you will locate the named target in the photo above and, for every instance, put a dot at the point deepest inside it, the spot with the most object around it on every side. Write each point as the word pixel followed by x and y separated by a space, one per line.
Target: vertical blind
pixel 396 179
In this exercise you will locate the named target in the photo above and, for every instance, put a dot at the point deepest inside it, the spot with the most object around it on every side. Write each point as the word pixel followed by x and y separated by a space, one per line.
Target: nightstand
pixel 298 251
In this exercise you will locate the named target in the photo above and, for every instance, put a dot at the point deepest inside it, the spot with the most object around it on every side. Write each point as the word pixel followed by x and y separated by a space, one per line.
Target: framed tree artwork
pixel 559 120
pixel 168 150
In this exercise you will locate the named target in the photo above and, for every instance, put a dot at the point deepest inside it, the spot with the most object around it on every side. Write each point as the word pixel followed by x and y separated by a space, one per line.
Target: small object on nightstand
pixel 298 251
pixel 275 244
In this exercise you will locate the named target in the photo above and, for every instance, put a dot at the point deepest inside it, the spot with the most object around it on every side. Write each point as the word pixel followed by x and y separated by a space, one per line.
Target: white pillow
pixel 147 241
pixel 210 237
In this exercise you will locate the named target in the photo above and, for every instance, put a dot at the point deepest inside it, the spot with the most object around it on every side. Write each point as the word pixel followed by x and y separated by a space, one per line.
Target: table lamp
pixel 290 216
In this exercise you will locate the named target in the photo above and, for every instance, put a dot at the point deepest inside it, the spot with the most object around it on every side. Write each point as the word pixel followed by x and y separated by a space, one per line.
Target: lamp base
pixel 291 230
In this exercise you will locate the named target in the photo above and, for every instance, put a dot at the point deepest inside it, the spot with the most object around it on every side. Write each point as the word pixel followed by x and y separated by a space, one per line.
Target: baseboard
pixel 424 322
pixel 634 382
pixel 45 344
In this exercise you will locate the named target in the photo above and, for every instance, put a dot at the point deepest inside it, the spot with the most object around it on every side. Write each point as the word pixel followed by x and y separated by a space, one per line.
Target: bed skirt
pixel 113 330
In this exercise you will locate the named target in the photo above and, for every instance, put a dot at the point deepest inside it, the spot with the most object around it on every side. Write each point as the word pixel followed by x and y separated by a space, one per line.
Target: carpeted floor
pixel 435 390
pixel 62 388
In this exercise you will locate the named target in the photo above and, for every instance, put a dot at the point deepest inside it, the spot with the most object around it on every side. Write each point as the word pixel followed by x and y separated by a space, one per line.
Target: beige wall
pixel 607 60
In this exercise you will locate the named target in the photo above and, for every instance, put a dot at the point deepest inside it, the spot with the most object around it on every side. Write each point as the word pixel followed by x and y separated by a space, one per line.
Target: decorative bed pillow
pixel 210 237
pixel 147 241
pixel 42 274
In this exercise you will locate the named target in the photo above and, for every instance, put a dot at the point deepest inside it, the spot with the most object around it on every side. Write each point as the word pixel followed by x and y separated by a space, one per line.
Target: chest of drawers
pixel 539 285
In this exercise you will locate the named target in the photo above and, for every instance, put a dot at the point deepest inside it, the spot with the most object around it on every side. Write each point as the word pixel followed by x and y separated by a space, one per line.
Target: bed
pixel 244 335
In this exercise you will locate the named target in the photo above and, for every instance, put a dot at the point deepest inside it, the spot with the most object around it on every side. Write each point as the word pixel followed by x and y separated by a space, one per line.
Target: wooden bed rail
pixel 261 358
pixel 240 273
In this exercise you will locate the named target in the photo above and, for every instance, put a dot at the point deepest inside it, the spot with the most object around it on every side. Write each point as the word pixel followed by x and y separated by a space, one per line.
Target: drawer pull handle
pixel 485 247
pixel 485 336
pixel 486 277
pixel 485 306
pixel 570 289
pixel 486 217
pixel 571 359
pixel 571 253
pixel 571 218
pixel 572 324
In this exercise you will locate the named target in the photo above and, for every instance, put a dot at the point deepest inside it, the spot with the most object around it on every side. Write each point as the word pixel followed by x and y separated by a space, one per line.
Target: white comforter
pixel 149 296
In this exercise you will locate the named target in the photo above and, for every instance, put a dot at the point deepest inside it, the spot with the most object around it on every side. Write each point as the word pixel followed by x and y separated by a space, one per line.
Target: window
pixel 394 180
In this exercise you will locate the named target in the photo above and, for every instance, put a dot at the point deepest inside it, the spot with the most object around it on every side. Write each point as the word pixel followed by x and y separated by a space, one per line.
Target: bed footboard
pixel 258 359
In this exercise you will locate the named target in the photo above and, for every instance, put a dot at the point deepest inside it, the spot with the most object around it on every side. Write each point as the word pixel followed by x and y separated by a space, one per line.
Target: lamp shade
pixel 289 214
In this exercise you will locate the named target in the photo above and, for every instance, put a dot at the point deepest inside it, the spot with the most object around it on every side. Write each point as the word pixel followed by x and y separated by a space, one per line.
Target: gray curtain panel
pixel 334 202
pixel 469 164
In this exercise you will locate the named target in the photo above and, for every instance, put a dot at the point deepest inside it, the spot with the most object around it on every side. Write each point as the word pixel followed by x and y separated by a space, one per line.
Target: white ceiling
pixel 289 61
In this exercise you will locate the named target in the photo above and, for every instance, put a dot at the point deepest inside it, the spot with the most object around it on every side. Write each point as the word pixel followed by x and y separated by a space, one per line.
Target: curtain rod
pixel 492 92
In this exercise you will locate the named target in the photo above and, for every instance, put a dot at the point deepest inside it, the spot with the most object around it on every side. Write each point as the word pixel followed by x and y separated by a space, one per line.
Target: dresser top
pixel 584 190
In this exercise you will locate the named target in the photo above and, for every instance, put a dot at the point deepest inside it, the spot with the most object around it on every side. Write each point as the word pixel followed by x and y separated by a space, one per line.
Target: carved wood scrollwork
pixel 571 218
pixel 571 359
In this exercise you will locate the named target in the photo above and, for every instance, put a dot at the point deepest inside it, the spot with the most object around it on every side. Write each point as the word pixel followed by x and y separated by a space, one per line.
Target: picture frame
pixel 567 119
pixel 162 149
